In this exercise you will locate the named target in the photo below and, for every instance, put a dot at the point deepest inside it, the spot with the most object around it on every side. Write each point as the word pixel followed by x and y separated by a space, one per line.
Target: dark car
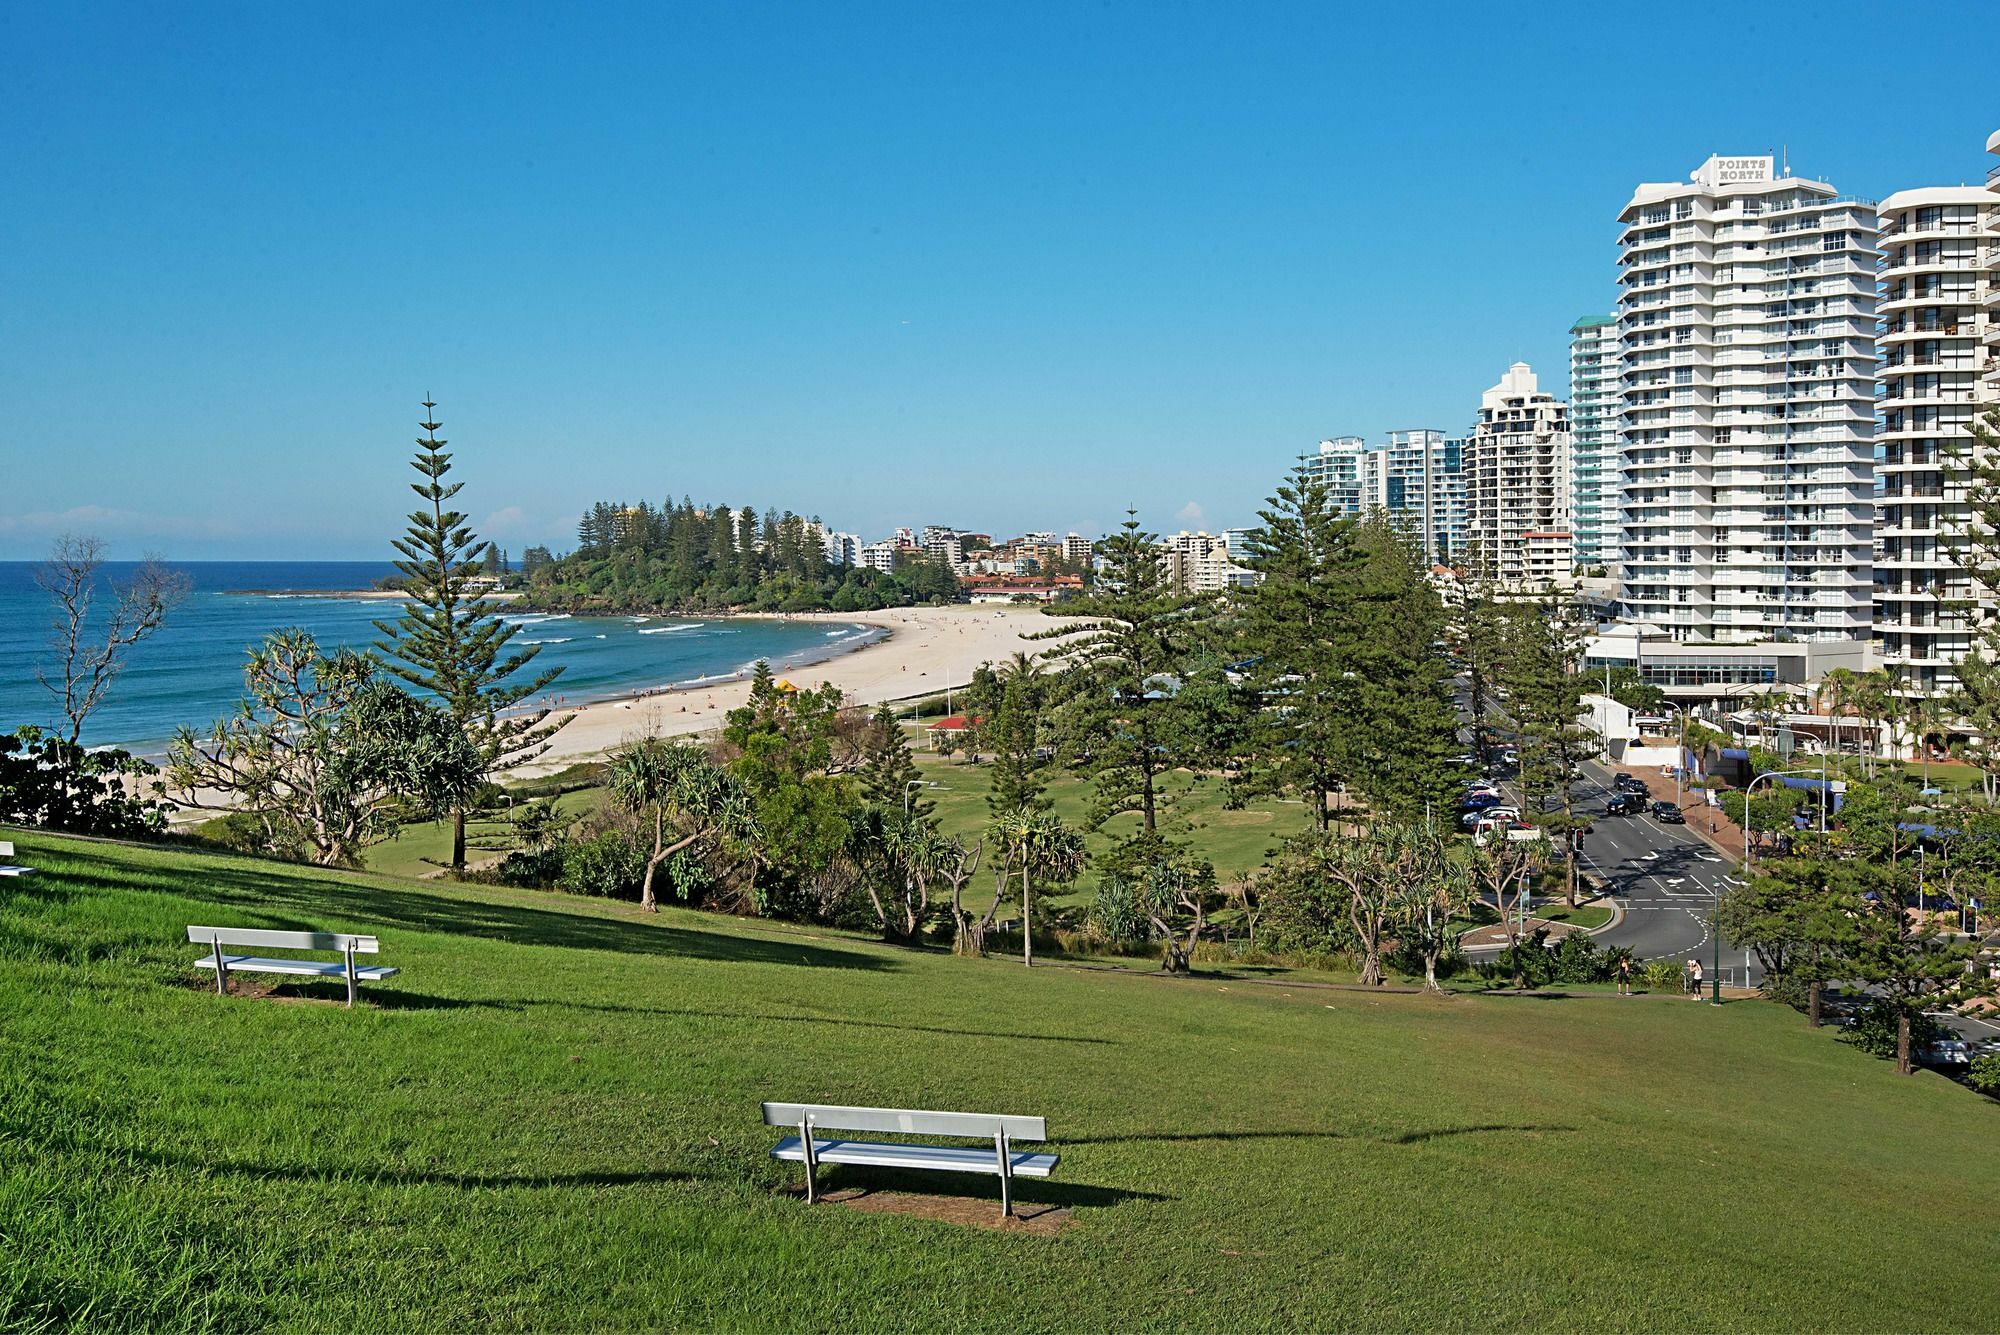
pixel 1667 813
pixel 1625 804
pixel 1630 783
pixel 1480 801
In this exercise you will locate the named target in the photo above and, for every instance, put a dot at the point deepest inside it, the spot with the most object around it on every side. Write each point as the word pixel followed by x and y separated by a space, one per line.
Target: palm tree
pixel 681 786
pixel 1874 699
pixel 1836 696
pixel 1039 843
pixel 924 854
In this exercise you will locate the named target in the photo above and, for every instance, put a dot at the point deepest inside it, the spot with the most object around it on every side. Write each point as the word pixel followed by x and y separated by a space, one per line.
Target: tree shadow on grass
pixel 399 1176
pixel 280 898
pixel 1406 1138
pixel 411 1001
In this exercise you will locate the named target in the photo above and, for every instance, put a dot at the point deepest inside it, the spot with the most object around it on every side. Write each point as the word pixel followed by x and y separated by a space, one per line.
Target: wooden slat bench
pixel 347 947
pixel 999 1157
pixel 7 857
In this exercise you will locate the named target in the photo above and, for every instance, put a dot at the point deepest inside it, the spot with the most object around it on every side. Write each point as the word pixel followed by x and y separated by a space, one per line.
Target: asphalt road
pixel 1665 878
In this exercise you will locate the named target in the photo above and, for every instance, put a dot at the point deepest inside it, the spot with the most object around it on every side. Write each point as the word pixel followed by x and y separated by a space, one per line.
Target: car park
pixel 1667 813
pixel 1624 804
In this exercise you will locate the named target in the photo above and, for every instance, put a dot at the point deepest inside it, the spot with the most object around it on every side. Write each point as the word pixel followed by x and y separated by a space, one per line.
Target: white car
pixel 1472 820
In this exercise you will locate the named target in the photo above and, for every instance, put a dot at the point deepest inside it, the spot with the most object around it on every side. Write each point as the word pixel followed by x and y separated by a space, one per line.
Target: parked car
pixel 1479 801
pixel 1629 783
pixel 1472 820
pixel 1512 830
pixel 1510 757
pixel 1624 804
pixel 1665 812
pixel 1945 1053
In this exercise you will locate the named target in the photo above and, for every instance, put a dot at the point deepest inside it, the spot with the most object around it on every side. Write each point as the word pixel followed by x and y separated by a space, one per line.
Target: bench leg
pixel 806 1140
pixel 1006 1175
pixel 221 969
pixel 350 978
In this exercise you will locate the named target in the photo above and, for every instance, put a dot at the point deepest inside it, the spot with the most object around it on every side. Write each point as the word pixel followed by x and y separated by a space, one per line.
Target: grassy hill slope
pixel 550 1120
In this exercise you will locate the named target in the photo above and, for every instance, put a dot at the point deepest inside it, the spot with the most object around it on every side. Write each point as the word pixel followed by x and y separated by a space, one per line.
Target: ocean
pixel 191 670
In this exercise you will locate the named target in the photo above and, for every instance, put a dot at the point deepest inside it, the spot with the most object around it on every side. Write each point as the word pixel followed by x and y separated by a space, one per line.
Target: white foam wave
pixel 554 639
pixel 668 630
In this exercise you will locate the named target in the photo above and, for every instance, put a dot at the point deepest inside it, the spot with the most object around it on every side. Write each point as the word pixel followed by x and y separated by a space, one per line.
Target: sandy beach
pixel 927 649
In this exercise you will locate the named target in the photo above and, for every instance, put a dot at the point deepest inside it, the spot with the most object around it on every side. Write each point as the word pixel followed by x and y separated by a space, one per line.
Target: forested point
pixel 689 558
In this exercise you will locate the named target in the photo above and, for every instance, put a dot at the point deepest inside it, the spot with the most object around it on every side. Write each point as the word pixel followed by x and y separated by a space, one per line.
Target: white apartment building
pixel 843 549
pixel 1417 477
pixel 1199 563
pixel 1993 287
pixel 1422 485
pixel 879 555
pixel 1593 476
pixel 1517 482
pixel 1940 259
pixel 1746 329
pixel 1346 466
pixel 1076 550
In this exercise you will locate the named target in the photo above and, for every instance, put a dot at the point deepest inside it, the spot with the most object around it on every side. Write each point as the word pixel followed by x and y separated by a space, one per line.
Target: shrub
pixel 1407 960
pixel 1664 975
pixel 1874 1030
pixel 1984 1074
pixel 1115 914
pixel 48 781
pixel 1575 959
pixel 535 869
pixel 607 864
pixel 1529 964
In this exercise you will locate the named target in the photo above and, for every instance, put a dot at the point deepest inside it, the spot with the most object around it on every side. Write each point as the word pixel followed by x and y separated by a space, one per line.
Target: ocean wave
pixel 532 618
pixel 666 630
pixel 554 639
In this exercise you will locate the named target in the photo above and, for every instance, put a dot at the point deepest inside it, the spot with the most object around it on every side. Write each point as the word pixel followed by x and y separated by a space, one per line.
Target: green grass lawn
pixel 1236 841
pixel 1586 916
pixel 549 1121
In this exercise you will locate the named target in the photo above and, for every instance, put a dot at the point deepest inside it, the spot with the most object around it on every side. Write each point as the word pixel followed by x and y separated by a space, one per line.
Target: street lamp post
pixel 1749 863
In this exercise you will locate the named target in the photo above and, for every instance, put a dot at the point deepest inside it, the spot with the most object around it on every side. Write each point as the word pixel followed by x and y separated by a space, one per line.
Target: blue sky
pixel 1002 266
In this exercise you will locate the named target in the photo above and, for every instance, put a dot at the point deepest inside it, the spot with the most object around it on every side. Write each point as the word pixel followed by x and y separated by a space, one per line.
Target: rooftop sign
pixel 1732 171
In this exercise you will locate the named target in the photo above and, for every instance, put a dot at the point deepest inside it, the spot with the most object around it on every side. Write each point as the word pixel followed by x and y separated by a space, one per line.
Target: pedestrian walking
pixel 1625 976
pixel 1687 977
pixel 1694 975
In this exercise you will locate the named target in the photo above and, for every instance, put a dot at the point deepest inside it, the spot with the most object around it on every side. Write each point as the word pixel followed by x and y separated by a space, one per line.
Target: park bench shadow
pixel 278 897
pixel 1045 1192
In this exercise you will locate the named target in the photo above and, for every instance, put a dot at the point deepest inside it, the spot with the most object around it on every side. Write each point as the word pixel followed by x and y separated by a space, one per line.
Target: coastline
pixel 920 650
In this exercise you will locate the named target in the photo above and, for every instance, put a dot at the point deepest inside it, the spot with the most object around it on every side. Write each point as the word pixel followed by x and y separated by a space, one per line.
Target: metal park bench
pixel 6 857
pixel 1000 1158
pixel 215 938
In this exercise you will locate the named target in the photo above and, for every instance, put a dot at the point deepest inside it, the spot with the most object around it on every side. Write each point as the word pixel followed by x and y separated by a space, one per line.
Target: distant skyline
pixel 1004 269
